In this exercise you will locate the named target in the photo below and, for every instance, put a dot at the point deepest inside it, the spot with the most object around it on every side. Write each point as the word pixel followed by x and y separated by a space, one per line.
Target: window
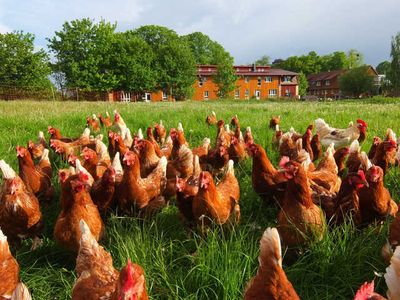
pixel 259 81
pixel 272 93
pixel 246 78
pixel 287 93
pixel 268 79
pixel 237 94
pixel 286 79
pixel 206 95
pixel 164 95
pixel 257 94
pixel 318 83
pixel 247 94
pixel 202 79
pixel 327 82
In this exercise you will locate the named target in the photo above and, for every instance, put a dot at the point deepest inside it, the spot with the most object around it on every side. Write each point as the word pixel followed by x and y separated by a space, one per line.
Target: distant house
pixel 258 82
pixel 326 84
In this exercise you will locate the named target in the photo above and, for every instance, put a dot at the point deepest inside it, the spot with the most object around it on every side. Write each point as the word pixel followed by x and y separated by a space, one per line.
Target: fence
pixel 9 93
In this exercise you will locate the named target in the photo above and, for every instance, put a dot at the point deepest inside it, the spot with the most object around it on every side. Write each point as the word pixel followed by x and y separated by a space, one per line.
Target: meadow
pixel 179 265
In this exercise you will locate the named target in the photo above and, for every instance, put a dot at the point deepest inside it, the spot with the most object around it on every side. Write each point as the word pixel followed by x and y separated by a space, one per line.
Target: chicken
pixel 392 279
pixel 385 155
pixel 223 136
pixel 270 282
pixel 341 137
pixel 216 159
pixel 112 148
pixel 316 147
pixel 9 269
pixel 141 194
pixel 102 191
pixel 306 143
pixel 67 148
pixel 37 149
pixel 120 145
pixel 178 140
pixel 353 162
pixel 326 173
pixel 347 200
pixel 217 203
pixel 105 121
pixel 160 133
pixel 131 284
pixel 20 214
pixel 151 139
pixel 202 151
pixel 21 292
pixel 340 156
pixel 186 190
pixel 248 136
pixel 55 134
pixel 147 157
pixel 97 277
pixel 36 179
pixel 211 119
pixel 374 146
pixel 375 200
pixel 93 123
pixel 237 150
pixel 93 164
pixel 287 147
pixel 76 206
pixel 119 122
pixel 274 121
pixel 268 182
pixel 299 219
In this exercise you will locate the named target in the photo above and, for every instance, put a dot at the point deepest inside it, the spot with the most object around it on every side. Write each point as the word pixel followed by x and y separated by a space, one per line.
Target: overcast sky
pixel 248 29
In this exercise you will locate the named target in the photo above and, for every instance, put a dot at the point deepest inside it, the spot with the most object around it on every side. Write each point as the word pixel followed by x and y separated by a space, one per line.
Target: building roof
pixel 246 71
pixel 324 75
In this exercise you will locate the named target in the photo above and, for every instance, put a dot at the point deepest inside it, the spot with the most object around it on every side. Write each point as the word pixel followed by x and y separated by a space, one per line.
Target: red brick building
pixel 259 82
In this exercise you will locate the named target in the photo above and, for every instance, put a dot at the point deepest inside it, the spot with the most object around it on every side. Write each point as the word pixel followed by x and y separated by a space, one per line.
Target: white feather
pixel 8 172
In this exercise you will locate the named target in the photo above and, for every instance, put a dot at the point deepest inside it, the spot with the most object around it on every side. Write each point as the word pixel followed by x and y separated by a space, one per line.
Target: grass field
pixel 224 261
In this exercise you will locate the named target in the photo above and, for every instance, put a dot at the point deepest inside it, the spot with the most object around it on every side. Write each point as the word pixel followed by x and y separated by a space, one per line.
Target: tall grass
pixel 179 265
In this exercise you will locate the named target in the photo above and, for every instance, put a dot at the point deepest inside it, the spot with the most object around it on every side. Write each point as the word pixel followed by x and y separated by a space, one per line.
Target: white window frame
pixel 206 95
pixel 327 82
pixel 318 83
pixel 272 93
pixel 268 78
pixel 247 94
pixel 258 97
pixel 237 94
pixel 164 95
pixel 246 79
pixel 259 80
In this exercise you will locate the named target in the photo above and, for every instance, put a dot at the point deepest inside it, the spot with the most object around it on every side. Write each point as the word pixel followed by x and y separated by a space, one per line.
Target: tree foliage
pixel 383 67
pixel 174 62
pixel 303 84
pixel 263 61
pixel 20 64
pixel 83 50
pixel 394 71
pixel 356 82
pixel 225 78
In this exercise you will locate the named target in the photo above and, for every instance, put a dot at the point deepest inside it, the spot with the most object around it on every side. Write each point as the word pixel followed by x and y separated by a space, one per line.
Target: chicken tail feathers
pixel 4 248
pixel 392 277
pixel 270 248
pixel 45 156
pixel 8 172
pixel 230 170
pixel 21 292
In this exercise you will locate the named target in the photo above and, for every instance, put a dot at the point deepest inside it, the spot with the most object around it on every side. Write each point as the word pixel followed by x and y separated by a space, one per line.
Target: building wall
pixel 208 85
pixel 290 88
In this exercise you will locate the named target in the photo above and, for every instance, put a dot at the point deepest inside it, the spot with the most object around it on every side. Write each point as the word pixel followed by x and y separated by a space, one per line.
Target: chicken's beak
pixel 366 183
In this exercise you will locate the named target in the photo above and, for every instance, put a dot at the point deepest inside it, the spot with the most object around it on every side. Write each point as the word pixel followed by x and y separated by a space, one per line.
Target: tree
pixel 132 61
pixel 383 67
pixel 20 64
pixel 394 71
pixel 336 61
pixel 356 82
pixel 82 51
pixel 205 50
pixel 303 84
pixel 263 61
pixel 355 59
pixel 225 78
pixel 174 62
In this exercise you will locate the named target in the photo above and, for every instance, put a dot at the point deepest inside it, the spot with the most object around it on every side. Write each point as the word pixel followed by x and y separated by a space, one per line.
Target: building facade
pixel 253 82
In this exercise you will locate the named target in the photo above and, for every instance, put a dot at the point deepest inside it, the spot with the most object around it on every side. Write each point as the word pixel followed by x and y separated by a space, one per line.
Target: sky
pixel 248 29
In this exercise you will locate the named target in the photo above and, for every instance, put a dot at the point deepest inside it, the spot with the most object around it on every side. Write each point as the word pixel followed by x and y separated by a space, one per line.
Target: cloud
pixel 248 29
pixel 4 28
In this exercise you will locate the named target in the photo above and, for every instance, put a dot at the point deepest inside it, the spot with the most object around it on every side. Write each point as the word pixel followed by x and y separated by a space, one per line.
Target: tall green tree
pixel 336 61
pixel 82 51
pixel 20 64
pixel 355 59
pixel 303 84
pixel 394 71
pixel 263 61
pixel 357 81
pixel 225 78
pixel 383 67
pixel 174 62
pixel 132 62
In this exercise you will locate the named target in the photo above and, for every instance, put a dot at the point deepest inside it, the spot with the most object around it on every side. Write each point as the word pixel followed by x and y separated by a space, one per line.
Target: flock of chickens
pixel 138 176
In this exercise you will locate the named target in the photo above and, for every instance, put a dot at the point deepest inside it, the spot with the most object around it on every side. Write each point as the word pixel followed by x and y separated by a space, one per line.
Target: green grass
pixel 179 266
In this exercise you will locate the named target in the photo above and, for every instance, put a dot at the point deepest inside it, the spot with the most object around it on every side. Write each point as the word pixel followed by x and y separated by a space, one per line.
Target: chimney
pixel 254 67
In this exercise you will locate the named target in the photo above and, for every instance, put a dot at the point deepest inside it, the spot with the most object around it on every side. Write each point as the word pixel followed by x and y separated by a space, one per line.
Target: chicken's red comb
pixel 393 143
pixel 284 160
pixel 365 291
pixel 361 174
pixel 20 151
pixel 362 122
pixel 83 176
